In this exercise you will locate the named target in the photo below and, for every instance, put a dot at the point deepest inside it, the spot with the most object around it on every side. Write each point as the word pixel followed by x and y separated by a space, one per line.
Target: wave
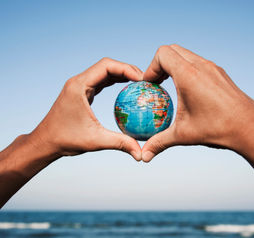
pixel 21 225
pixel 243 230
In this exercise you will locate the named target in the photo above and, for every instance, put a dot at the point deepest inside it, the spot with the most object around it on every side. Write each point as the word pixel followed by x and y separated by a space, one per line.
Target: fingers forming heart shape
pixel 203 91
pixel 205 97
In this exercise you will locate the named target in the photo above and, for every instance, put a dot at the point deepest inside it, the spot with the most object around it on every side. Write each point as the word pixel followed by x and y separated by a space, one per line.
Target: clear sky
pixel 43 43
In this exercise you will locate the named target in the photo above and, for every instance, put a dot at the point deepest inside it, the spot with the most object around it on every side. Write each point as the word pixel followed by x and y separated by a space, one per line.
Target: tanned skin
pixel 71 128
pixel 211 109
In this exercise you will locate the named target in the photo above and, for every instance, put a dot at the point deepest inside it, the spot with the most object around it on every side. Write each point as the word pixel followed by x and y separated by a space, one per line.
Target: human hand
pixel 71 128
pixel 211 109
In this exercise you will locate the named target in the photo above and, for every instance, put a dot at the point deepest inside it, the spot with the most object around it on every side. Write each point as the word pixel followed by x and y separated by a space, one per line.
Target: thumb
pixel 117 141
pixel 158 143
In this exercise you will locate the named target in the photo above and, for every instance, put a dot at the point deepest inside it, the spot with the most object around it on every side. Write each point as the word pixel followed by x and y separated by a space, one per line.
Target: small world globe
pixel 143 109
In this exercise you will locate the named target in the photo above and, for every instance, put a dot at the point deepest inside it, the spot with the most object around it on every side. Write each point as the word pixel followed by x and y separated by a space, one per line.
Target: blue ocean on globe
pixel 143 109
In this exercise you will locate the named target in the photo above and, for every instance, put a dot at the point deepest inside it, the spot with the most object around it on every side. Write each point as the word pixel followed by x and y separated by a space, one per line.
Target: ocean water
pixel 126 224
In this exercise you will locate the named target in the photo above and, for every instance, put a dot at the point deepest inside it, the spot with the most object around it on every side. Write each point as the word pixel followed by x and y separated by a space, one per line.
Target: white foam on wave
pixel 21 225
pixel 243 230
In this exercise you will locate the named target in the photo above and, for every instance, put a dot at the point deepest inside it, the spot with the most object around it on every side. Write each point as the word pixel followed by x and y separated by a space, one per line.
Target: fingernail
pixel 137 155
pixel 147 156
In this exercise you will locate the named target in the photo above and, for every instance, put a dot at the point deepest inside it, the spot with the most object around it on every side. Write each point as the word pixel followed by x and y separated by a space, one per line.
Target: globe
pixel 143 109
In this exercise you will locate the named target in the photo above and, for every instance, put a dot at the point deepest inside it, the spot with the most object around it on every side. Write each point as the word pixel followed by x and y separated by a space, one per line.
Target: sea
pixel 125 224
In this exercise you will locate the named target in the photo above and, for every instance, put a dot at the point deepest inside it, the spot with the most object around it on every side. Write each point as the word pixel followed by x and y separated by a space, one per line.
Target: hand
pixel 211 109
pixel 71 128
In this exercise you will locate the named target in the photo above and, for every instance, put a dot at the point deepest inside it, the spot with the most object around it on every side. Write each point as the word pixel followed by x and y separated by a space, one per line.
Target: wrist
pixel 244 143
pixel 42 148
pixel 27 155
pixel 242 136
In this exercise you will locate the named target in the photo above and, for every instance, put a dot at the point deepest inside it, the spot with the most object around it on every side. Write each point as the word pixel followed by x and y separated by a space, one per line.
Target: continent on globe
pixel 121 117
pixel 143 109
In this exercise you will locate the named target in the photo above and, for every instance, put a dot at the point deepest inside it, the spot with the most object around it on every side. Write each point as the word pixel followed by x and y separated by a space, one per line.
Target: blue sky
pixel 43 43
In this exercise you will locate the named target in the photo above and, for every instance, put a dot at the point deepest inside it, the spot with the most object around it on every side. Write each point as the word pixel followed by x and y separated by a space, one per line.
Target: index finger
pixel 166 62
pixel 108 71
pixel 188 55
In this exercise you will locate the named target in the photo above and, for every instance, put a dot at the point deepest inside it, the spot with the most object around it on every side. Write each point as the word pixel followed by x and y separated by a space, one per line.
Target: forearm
pixel 20 161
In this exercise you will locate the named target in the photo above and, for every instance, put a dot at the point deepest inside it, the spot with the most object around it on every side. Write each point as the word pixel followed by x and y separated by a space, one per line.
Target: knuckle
pixel 174 46
pixel 210 64
pixel 106 60
pixel 157 146
pixel 163 48
pixel 215 68
pixel 71 85
pixel 221 69
pixel 129 67
pixel 132 67
pixel 121 145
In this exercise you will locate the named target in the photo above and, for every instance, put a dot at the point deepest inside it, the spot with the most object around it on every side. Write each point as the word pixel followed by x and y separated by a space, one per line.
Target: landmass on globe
pixel 143 109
